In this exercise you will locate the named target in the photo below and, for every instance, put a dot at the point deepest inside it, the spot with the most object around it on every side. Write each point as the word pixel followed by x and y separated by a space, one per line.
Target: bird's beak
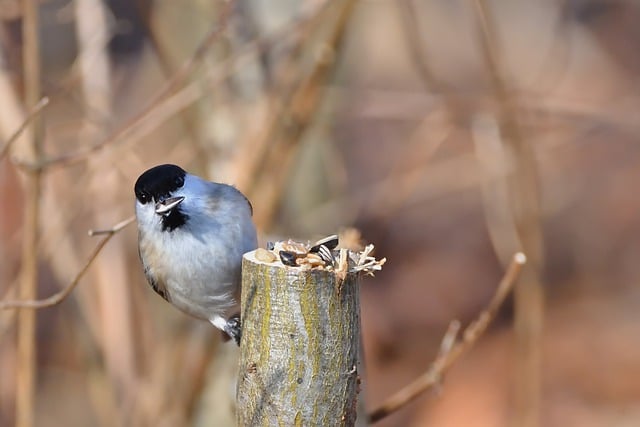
pixel 165 206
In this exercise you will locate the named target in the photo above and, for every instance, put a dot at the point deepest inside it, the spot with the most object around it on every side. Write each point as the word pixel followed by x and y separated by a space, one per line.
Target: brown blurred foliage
pixel 381 115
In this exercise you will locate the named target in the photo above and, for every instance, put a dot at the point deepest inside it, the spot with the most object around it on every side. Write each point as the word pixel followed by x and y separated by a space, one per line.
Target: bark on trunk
pixel 300 346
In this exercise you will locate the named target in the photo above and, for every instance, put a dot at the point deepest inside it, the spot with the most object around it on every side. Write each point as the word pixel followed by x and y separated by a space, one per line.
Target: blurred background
pixel 449 133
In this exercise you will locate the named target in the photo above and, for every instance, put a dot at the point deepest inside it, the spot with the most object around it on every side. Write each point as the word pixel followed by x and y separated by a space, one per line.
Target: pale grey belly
pixel 204 280
pixel 204 297
pixel 200 272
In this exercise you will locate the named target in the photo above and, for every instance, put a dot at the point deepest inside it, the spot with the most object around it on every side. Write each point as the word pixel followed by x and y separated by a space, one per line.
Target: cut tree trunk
pixel 300 346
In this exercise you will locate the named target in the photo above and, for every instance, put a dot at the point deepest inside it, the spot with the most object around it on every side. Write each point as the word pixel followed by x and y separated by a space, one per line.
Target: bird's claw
pixel 234 328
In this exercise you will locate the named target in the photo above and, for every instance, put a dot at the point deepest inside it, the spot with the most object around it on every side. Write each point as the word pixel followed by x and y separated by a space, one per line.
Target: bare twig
pixel 169 88
pixel 254 152
pixel 119 226
pixel 410 15
pixel 32 114
pixel 187 68
pixel 450 353
pixel 420 148
pixel 296 110
pixel 168 101
pixel 448 341
pixel 450 338
pixel 61 295
pixel 26 355
pixel 524 205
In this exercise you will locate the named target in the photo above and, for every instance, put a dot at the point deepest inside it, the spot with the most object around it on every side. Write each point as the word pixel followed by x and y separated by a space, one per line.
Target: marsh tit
pixel 192 234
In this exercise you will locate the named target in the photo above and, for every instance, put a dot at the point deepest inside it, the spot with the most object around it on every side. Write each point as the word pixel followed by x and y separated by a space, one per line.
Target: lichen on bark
pixel 300 346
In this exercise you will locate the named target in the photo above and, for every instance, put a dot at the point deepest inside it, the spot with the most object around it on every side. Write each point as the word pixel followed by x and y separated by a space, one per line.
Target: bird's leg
pixel 231 327
pixel 234 328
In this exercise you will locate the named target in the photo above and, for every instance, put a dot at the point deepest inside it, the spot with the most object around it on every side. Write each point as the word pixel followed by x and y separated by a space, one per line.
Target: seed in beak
pixel 165 206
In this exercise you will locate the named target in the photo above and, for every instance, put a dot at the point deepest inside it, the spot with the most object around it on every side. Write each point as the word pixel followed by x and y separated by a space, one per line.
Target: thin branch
pixel 450 338
pixel 295 110
pixel 168 101
pixel 25 124
pixel 26 343
pixel 61 295
pixel 448 341
pixel 119 226
pixel 420 148
pixel 524 202
pixel 169 88
pixel 410 15
pixel 190 65
pixel 446 358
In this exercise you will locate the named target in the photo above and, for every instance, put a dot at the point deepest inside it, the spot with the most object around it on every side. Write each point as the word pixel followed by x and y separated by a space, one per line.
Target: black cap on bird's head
pixel 159 183
pixel 158 187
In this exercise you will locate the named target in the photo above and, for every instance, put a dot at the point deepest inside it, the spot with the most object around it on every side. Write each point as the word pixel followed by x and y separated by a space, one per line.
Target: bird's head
pixel 160 194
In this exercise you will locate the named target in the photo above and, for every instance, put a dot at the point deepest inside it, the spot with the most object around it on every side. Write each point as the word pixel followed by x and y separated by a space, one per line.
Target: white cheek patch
pixel 146 216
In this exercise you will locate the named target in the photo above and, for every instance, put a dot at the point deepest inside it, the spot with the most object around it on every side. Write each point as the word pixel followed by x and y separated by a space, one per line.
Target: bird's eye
pixel 143 197
pixel 179 181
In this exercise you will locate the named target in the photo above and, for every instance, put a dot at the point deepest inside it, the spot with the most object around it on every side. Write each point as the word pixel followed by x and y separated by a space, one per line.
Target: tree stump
pixel 300 346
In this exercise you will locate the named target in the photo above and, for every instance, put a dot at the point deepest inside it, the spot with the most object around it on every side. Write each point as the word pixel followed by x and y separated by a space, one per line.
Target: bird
pixel 192 234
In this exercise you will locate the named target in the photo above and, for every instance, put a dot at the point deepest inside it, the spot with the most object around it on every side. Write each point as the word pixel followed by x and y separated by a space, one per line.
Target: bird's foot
pixel 233 328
